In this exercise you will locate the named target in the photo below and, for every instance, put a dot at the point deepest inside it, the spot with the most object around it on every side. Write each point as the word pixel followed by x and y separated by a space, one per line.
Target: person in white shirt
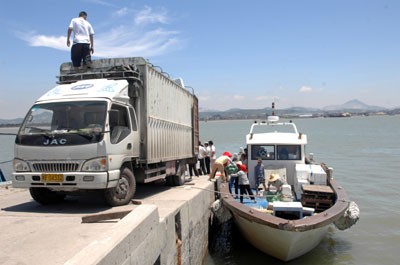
pixel 82 42
pixel 207 157
pixel 201 157
pixel 212 155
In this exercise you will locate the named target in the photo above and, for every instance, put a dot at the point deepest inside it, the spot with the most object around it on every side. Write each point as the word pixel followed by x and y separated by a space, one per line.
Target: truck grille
pixel 55 166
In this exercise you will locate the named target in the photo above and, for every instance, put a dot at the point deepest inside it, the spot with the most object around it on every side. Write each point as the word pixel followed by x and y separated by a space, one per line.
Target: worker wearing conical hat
pixel 276 181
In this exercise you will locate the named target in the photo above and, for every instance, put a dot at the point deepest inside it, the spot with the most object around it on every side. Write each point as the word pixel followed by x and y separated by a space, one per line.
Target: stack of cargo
pixel 308 174
pixel 319 197
pixel 302 177
pixel 317 175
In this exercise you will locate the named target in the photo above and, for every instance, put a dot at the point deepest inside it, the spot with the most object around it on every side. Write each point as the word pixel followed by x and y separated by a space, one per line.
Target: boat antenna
pixel 273 108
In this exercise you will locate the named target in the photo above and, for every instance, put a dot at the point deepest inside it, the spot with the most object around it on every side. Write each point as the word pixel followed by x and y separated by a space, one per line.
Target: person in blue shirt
pixel 259 175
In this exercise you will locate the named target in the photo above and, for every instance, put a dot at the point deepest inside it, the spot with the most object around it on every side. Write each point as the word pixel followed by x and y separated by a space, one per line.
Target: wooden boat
pixel 286 238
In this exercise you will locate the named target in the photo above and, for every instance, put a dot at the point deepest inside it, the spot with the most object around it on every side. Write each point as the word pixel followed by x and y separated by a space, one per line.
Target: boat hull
pixel 281 244
pixel 282 238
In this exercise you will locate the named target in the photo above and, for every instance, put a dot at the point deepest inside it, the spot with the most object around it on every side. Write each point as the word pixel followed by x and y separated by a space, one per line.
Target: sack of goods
pixel 231 168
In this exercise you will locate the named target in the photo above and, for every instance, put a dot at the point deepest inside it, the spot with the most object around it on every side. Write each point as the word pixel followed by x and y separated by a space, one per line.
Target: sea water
pixel 365 155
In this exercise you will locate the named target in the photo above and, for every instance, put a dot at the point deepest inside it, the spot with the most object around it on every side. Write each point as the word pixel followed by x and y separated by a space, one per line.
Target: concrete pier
pixel 169 227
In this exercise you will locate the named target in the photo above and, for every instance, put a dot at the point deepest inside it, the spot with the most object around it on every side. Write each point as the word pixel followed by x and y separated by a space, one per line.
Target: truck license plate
pixel 52 177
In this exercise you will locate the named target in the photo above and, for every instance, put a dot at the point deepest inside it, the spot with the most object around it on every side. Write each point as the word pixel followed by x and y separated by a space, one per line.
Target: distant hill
pixel 12 121
pixel 353 105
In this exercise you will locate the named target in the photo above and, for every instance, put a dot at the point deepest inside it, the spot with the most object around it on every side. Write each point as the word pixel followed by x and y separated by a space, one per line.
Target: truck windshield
pixel 65 117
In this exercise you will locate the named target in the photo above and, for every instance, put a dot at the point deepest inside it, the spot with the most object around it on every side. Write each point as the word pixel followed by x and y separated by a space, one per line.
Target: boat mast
pixel 273 108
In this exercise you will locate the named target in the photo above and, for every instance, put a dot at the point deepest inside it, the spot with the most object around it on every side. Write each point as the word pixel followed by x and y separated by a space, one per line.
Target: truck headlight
pixel 97 164
pixel 20 165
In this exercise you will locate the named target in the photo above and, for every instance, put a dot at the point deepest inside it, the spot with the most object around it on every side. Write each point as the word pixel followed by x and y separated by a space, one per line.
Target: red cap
pixel 243 168
pixel 227 154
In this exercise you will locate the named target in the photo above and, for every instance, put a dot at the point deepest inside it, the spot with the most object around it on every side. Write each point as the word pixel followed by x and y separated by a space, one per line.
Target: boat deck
pixel 261 203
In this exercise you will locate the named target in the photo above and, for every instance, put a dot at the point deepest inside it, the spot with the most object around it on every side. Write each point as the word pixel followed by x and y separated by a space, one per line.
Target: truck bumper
pixel 69 181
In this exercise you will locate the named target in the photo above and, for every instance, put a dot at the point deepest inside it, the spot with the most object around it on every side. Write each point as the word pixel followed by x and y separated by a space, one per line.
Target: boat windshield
pixel 283 152
pixel 289 152
pixel 65 117
pixel 265 152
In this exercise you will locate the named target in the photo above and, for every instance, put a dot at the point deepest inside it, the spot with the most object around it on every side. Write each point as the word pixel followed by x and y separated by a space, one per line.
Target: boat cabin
pixel 279 145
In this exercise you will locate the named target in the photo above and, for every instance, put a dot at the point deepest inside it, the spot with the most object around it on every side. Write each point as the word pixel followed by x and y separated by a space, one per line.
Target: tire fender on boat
pixel 349 218
pixel 221 213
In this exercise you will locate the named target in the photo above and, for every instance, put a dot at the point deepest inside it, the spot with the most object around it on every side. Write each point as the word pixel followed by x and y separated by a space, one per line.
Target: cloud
pixel 261 98
pixel 38 40
pixel 123 40
pixel 146 16
pixel 204 98
pixel 121 12
pixel 99 2
pixel 305 89
pixel 238 97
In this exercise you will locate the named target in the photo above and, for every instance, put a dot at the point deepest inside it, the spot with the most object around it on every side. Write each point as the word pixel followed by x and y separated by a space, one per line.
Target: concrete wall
pixel 148 234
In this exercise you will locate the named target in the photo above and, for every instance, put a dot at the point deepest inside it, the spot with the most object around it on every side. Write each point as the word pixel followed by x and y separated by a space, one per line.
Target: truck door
pixel 135 135
pixel 120 131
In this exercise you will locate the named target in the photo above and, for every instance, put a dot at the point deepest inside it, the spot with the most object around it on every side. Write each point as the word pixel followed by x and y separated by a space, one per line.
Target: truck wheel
pixel 170 180
pixel 179 178
pixel 124 191
pixel 46 196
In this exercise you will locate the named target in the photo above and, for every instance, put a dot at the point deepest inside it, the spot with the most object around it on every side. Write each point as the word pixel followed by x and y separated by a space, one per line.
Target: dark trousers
pixel 193 170
pixel 207 160
pixel 202 166
pixel 234 181
pixel 79 52
pixel 243 190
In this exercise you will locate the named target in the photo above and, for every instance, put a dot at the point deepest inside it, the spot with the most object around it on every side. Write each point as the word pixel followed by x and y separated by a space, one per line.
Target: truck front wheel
pixel 124 191
pixel 46 196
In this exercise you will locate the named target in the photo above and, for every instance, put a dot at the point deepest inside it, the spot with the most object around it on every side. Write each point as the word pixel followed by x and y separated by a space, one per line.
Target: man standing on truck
pixel 82 42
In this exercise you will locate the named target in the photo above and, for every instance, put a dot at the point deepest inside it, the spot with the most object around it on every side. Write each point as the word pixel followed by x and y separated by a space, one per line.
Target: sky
pixel 235 54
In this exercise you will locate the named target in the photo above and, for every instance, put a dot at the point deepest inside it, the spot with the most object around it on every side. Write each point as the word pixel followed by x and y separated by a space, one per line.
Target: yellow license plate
pixel 52 177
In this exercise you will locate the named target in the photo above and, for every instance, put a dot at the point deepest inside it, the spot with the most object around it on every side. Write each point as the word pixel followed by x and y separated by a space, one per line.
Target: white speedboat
pixel 309 204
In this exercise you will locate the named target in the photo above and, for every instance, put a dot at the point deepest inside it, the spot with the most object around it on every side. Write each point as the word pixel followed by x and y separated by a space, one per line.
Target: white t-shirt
pixel 208 150
pixel 201 152
pixel 213 150
pixel 82 30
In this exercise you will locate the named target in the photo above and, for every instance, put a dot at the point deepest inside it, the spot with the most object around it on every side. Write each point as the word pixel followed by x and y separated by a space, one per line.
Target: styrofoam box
pixel 288 206
pixel 297 187
pixel 317 175
pixel 302 171
pixel 286 190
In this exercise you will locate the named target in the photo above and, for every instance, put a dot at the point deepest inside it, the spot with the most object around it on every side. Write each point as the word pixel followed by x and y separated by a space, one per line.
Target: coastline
pixel 297 117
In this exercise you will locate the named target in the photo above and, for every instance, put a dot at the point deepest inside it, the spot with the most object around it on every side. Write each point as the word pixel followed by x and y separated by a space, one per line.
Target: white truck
pixel 119 123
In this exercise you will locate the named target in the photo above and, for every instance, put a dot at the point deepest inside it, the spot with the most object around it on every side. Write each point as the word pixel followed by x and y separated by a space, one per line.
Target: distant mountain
pixel 301 109
pixel 12 121
pixel 354 104
pixel 207 110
